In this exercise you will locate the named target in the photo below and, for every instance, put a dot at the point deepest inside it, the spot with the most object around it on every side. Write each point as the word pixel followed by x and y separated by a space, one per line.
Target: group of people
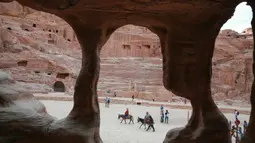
pixel 236 130
pixel 147 119
pixel 164 116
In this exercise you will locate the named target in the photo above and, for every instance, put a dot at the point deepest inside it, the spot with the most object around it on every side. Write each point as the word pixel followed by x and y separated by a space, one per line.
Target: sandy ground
pixel 240 106
pixel 114 132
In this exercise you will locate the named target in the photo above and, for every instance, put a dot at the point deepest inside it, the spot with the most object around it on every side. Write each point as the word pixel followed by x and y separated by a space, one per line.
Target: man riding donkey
pixel 126 113
pixel 149 120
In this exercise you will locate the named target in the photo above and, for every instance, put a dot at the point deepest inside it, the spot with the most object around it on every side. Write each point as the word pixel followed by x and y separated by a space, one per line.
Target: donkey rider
pixel 126 113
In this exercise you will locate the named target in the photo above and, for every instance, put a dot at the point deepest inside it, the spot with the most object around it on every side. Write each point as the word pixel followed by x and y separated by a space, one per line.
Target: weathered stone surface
pixel 50 45
pixel 13 93
pixel 187 31
pixel 249 136
pixel 247 31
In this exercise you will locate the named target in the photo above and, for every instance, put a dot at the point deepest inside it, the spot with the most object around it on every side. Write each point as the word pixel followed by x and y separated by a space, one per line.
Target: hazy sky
pixel 241 19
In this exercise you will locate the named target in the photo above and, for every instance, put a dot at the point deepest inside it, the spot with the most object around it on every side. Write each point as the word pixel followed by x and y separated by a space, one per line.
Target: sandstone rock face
pixel 50 46
pixel 13 92
pixel 247 31
pixel 132 41
pixel 187 31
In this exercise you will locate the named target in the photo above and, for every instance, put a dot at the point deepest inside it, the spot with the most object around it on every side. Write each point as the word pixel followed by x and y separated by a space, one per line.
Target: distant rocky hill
pixel 38 49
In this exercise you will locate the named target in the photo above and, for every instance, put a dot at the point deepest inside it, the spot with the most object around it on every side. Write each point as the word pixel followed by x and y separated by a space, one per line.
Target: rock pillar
pixel 86 107
pixel 187 70
pixel 249 136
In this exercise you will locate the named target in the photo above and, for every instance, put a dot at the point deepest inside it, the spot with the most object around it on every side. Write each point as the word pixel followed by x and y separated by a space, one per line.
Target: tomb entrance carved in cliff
pixel 22 63
pixel 59 86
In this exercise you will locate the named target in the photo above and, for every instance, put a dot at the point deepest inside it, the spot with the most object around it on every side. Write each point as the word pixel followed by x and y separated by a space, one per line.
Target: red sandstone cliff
pixel 38 49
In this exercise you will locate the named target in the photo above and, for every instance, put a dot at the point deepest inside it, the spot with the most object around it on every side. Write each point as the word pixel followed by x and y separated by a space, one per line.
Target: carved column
pixel 187 68
pixel 249 136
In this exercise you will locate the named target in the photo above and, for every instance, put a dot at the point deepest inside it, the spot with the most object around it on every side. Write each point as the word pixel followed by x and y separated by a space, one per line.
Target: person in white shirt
pixel 236 113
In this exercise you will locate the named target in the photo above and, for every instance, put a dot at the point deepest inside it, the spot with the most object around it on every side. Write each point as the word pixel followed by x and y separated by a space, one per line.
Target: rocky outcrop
pixel 19 109
pixel 50 46
pixel 247 31
pixel 187 31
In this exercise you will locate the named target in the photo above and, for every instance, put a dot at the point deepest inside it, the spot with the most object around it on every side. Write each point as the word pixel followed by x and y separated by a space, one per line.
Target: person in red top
pixel 126 113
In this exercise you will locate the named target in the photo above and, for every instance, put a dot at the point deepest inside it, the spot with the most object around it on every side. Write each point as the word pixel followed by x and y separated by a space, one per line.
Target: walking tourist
pixel 236 113
pixel 245 126
pixel 162 116
pixel 161 107
pixel 166 116
pixel 149 120
pixel 107 102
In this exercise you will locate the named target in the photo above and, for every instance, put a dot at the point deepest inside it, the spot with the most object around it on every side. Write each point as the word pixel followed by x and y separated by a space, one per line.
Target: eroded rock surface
pixel 50 47
pixel 187 31
pixel 25 119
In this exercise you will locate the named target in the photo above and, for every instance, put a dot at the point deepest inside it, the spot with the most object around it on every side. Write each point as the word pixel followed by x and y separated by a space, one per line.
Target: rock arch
pixel 59 86
pixel 187 32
